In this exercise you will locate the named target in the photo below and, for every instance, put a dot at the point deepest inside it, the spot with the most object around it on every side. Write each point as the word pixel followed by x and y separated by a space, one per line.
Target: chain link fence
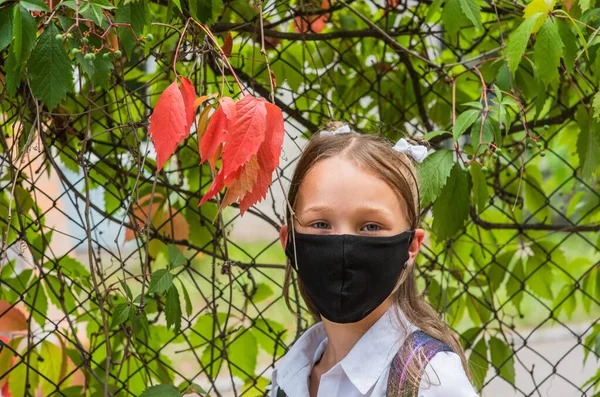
pixel 86 219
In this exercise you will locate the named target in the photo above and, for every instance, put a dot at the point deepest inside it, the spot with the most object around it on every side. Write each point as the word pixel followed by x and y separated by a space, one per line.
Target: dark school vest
pixel 418 343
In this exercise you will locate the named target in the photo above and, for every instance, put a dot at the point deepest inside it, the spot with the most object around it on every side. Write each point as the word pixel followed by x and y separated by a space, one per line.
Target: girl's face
pixel 337 197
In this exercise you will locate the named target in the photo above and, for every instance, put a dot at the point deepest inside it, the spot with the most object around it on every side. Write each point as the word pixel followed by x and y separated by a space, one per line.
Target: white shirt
pixel 365 369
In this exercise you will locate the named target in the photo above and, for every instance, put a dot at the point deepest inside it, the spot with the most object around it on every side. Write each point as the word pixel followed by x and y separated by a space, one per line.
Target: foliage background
pixel 504 91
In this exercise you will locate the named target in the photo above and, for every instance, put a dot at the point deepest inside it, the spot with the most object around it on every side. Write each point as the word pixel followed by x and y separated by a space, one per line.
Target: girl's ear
pixel 415 246
pixel 283 236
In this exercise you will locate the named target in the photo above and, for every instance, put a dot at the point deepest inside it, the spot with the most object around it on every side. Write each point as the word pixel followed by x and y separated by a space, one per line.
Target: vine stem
pixel 224 57
pixel 264 52
pixel 92 262
pixel 178 45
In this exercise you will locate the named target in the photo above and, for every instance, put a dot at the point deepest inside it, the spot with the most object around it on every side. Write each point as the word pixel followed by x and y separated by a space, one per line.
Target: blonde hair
pixel 375 153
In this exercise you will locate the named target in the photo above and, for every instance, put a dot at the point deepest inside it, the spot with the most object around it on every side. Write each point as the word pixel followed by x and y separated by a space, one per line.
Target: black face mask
pixel 348 276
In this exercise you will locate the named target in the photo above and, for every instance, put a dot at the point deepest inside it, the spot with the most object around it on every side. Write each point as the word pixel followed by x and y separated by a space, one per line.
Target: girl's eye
pixel 320 225
pixel 372 227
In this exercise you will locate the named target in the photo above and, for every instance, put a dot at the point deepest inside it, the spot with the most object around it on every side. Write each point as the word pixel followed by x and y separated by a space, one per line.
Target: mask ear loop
pixel 293 240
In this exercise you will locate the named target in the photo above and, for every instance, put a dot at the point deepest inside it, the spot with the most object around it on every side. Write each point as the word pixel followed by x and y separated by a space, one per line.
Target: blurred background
pixel 104 293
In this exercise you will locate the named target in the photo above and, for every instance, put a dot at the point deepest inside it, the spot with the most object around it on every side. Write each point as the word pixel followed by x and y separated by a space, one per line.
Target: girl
pixel 352 238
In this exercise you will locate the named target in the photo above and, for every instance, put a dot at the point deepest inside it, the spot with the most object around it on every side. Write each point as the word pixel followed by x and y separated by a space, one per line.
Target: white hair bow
pixel 342 129
pixel 418 152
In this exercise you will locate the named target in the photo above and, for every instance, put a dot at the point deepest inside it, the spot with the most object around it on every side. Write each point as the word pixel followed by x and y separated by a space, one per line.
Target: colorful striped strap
pixel 417 343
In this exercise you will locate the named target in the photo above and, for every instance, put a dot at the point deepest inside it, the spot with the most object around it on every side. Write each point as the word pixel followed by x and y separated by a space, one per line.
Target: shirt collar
pixel 376 349
pixel 363 365
pixel 294 368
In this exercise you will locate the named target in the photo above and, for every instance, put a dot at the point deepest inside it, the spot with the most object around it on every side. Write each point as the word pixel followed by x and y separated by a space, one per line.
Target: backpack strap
pixel 417 343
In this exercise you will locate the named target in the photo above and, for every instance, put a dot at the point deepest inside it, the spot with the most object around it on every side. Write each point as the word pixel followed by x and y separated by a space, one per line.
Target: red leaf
pixel 228 45
pixel 312 23
pixel 274 134
pixel 215 132
pixel 6 391
pixel 168 124
pixel 247 134
pixel 189 98
pixel 11 318
pixel 243 184
pixel 568 4
pixel 213 160
pixel 217 184
pixel 263 181
pixel 228 106
pixel 215 188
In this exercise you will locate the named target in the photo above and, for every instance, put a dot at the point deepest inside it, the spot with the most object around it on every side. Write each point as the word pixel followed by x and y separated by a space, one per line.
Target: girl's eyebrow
pixel 365 209
pixel 318 208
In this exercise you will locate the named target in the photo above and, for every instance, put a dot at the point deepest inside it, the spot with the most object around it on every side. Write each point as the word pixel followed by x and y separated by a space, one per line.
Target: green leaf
pixel 205 11
pixel 434 134
pixel 211 358
pixel 535 197
pixel 503 359
pixel 190 389
pixel 242 353
pixel 472 11
pixel 570 42
pixel 49 69
pixel 160 281
pixel 585 4
pixel 13 74
pixel 517 42
pixel 173 310
pixel 202 330
pixel 37 302
pixel 464 121
pixel 433 174
pixel 93 12
pixel 566 300
pixel 451 209
pixel 263 291
pixel 547 52
pixel 120 314
pixel 478 363
pixel 98 70
pixel 489 133
pixel 481 194
pixel 60 293
pixel 433 8
pixel 50 367
pixel 453 17
pixel 498 269
pixel 269 334
pixel 596 105
pixel 24 378
pixel 34 5
pixel 473 104
pixel 73 268
pixel 5 28
pixel 588 143
pixel 538 6
pixel 176 257
pixel 540 275
pixel 23 35
pixel 103 4
pixel 188 301
pixel 24 199
pixel 135 14
pixel 161 391
pixel 177 4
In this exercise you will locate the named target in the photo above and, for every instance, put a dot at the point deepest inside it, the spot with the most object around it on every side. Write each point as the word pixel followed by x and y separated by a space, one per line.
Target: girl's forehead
pixel 339 183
